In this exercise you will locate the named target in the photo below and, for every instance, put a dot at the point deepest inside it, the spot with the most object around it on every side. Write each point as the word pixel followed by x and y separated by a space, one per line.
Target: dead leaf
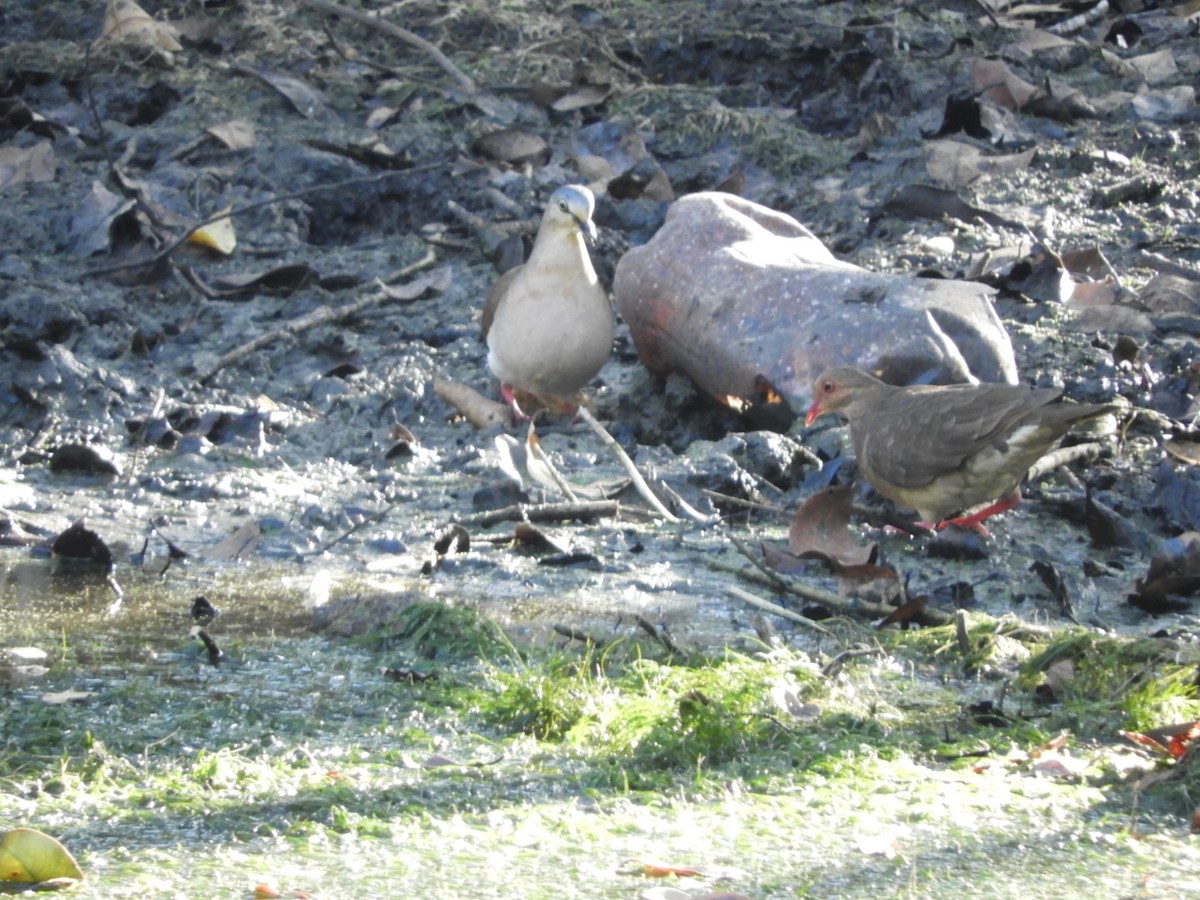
pixel 1165 104
pixel 26 165
pixel 304 98
pixel 994 81
pixel 534 537
pixel 1059 766
pixel 654 870
pixel 781 560
pixel 1155 67
pixel 581 97
pixel 281 281
pixel 906 613
pixel 512 145
pixel 236 134
pixel 89 233
pixel 436 280
pixel 1174 741
pixel 1058 676
pixel 822 526
pixel 959 164
pixel 28 856
pixel 541 469
pixel 217 235
pixel 1170 293
pixel 126 22
pixel 1174 573
pixel 239 544
pixel 1092 293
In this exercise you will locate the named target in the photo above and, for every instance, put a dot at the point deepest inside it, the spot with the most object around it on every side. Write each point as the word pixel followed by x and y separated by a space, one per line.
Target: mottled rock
pixel 742 298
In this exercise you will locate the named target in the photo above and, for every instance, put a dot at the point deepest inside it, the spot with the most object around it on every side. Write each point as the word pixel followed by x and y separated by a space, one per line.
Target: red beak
pixel 814 413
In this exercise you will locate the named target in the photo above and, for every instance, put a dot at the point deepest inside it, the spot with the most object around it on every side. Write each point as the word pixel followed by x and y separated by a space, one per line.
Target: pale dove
pixel 548 323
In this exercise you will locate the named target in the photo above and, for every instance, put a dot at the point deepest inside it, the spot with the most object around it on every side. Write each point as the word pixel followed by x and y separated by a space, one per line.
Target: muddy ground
pixel 820 110
pixel 260 425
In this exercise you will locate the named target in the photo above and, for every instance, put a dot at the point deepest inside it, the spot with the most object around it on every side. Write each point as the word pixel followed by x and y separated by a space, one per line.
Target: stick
pixel 776 609
pixel 401 34
pixel 251 207
pixel 322 315
pixel 546 512
pixel 627 464
pixel 834 601
pixel 1061 457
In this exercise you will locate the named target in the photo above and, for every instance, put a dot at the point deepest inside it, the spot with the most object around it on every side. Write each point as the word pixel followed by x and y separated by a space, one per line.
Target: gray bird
pixel 548 323
pixel 945 449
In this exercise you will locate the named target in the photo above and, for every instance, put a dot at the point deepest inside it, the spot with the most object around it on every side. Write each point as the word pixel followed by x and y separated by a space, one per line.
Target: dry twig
pixel 400 34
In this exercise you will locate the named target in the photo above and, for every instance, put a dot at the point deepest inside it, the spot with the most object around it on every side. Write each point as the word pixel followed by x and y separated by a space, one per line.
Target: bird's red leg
pixel 509 397
pixel 975 520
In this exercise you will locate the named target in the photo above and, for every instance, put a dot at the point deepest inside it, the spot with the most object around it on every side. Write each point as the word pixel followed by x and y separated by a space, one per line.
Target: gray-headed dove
pixel 945 449
pixel 548 323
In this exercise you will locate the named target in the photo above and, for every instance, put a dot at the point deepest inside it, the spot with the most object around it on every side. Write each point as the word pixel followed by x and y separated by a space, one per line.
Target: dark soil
pixel 359 183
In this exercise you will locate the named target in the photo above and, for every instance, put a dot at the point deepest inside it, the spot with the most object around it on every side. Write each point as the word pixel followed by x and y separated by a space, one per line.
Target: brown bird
pixel 946 449
pixel 548 323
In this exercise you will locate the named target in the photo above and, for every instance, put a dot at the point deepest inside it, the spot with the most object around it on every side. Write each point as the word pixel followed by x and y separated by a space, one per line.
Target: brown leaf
pixel 534 537
pixel 1174 570
pixel 1169 740
pixel 239 544
pixel 995 82
pixel 658 871
pixel 512 145
pixel 1058 676
pixel 305 99
pixel 906 613
pixel 582 96
pixel 821 526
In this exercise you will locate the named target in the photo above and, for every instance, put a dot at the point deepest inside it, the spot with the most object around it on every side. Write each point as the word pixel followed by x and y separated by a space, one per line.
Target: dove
pixel 548 323
pixel 944 449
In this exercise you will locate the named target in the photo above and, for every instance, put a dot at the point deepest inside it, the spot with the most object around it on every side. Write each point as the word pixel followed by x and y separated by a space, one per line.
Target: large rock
pixel 741 298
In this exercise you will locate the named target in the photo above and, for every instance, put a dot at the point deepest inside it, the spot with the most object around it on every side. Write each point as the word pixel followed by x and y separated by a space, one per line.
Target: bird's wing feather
pixel 936 430
pixel 495 295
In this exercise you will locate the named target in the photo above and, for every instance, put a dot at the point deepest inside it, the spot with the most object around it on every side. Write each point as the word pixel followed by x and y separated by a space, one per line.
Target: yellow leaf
pixel 218 235
pixel 28 856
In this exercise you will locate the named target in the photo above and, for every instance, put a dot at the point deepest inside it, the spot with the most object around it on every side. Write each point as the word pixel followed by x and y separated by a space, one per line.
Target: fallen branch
pixel 627 464
pixel 476 408
pixel 834 666
pixel 160 258
pixel 546 512
pixel 1061 457
pixel 777 610
pixel 846 605
pixel 322 315
pixel 400 34
pixel 661 635
pixel 575 634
